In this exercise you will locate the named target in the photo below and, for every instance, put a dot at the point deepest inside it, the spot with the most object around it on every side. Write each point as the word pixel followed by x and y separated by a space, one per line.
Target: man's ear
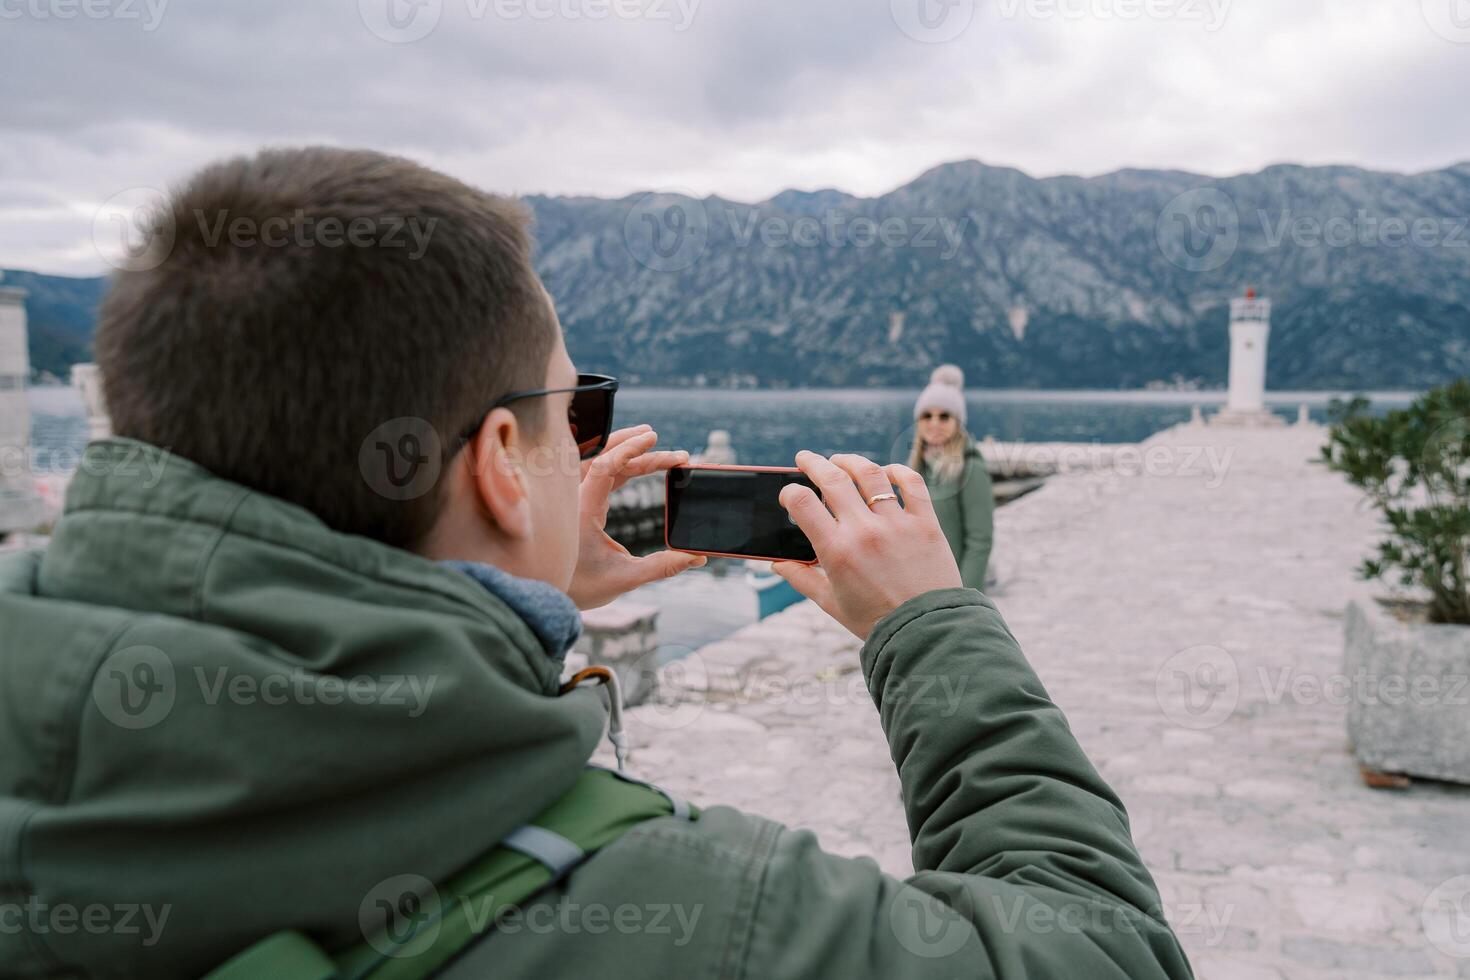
pixel 497 457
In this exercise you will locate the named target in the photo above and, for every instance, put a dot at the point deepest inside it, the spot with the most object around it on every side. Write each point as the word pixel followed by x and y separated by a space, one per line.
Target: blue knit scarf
pixel 549 611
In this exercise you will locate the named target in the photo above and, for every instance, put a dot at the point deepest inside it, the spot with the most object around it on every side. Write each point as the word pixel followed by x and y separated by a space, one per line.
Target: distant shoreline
pixel 1101 395
pixel 1081 395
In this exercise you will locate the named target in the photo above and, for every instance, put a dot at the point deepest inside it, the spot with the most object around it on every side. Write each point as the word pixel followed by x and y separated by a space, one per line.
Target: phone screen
pixel 734 512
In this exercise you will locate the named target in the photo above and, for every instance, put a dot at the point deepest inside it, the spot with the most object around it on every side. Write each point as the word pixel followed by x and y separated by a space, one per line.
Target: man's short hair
pixel 309 296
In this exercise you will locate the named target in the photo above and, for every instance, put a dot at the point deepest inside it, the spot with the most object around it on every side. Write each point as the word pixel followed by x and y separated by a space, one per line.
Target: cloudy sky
pixel 742 98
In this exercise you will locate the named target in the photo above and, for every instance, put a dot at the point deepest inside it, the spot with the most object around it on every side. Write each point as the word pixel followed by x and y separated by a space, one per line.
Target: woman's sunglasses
pixel 941 416
pixel 590 415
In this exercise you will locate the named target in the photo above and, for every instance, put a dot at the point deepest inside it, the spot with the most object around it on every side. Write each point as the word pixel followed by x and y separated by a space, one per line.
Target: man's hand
pixel 605 569
pixel 873 559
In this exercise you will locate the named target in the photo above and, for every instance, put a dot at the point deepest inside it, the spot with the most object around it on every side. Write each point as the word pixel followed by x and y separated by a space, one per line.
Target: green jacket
pixel 966 511
pixel 222 719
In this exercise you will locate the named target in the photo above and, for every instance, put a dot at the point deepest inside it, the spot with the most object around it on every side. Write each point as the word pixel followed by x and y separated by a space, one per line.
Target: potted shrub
pixel 1408 658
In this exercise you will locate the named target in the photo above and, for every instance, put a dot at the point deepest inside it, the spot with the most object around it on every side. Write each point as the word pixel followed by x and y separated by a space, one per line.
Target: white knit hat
pixel 946 393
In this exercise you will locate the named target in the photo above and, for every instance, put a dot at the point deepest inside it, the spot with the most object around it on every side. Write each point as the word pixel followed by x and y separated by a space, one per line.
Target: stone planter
pixel 1409 707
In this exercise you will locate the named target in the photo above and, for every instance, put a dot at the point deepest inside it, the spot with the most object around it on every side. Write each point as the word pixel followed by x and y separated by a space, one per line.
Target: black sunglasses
pixel 590 414
pixel 941 416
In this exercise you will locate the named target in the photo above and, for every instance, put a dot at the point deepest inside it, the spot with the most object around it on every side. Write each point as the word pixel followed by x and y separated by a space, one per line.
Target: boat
pixel 772 592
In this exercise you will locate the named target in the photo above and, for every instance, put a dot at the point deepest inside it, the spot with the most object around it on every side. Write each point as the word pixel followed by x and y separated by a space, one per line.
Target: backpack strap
pixel 682 808
pixel 548 848
pixel 287 954
pixel 601 807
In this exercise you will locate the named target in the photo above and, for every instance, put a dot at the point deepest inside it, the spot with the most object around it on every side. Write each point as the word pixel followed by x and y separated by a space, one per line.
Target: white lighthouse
pixel 20 506
pixel 1250 331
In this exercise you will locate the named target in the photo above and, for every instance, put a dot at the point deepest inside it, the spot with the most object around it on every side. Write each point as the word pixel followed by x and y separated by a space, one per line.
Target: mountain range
pixel 1117 281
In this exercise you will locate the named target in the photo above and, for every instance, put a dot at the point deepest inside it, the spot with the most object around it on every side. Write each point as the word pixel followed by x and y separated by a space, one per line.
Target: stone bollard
pixel 1303 415
pixel 624 636
pixel 1196 415
pixel 635 514
pixel 88 382
pixel 718 451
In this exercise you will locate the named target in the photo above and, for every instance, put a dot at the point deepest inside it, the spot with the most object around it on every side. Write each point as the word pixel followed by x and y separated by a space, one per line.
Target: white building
pixel 1250 332
pixel 20 506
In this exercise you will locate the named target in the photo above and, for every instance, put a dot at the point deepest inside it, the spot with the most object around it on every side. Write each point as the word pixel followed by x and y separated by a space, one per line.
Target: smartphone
pixel 734 512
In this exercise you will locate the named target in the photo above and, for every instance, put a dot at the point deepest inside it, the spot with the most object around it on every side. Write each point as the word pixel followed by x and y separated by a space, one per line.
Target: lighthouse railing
pixel 1250 309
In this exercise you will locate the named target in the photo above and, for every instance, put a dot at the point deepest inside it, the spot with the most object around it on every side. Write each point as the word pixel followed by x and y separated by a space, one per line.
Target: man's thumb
pixel 667 564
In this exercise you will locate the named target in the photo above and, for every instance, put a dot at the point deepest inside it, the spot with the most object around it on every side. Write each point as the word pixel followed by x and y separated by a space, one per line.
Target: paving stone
pixel 1318 952
pixel 1274 861
pixel 1338 908
pixel 1216 968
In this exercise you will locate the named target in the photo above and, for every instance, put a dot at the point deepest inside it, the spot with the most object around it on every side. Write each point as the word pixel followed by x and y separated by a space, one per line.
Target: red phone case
pixel 724 466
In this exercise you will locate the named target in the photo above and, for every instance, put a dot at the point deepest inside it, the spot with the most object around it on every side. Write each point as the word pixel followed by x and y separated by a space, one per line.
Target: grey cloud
pixel 755 96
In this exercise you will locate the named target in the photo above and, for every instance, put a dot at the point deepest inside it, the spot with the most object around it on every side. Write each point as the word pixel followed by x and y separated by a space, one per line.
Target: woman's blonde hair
pixel 950 461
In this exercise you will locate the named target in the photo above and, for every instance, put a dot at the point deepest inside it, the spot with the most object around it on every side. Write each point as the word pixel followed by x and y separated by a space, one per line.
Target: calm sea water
pixel 769 427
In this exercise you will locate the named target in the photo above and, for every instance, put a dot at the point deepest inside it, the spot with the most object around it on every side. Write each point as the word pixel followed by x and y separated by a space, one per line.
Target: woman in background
pixel 955 472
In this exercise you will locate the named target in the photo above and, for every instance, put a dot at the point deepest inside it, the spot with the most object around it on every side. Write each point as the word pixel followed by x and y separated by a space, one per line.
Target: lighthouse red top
pixel 1250 292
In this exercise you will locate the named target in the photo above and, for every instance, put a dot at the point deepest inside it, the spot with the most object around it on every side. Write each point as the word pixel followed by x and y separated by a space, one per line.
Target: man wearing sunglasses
pixel 528 495
pixel 291 662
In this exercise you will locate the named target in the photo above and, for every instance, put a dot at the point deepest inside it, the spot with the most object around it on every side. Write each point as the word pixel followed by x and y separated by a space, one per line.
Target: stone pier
pixel 623 636
pixel 1185 608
